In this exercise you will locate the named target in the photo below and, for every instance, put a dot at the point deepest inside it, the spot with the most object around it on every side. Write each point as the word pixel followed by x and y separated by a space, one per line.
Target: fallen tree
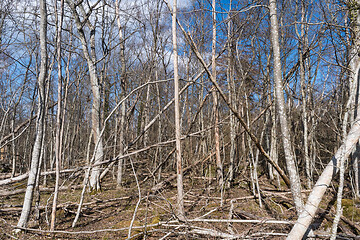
pixel 25 175
pixel 301 226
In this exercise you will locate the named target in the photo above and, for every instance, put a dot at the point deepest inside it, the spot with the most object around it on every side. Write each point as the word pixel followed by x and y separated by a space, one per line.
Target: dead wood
pixel 351 224
pixel 24 176
pixel 6 193
pixel 259 221
pixel 245 215
pixel 162 185
pixel 99 203
pixel 6 138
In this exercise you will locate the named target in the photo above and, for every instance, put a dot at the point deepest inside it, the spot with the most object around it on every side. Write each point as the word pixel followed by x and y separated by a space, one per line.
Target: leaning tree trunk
pixel 354 62
pixel 35 157
pixel 288 148
pixel 302 224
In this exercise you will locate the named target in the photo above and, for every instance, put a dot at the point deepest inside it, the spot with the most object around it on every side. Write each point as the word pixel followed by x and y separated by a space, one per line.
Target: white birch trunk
pixel 288 148
pixel 354 81
pixel 122 95
pixel 304 90
pixel 35 157
pixel 219 167
pixel 179 171
pixel 58 137
pixel 302 224
pixel 94 180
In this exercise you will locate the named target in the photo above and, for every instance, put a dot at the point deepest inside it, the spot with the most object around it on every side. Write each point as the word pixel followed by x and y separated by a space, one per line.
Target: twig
pixel 263 221
pixel 213 233
pixel 138 202
pixel 231 213
pixel 85 232
pixel 206 214
pixel 86 180
pixel 169 233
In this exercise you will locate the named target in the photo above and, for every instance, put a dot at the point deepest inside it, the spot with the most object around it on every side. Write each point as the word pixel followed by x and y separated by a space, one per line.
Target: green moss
pixel 60 213
pixel 350 211
pixel 94 191
pixel 327 225
pixel 210 171
pixel 283 184
pixel 156 219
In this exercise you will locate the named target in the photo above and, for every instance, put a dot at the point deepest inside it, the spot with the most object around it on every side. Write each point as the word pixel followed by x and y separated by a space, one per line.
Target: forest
pixel 179 119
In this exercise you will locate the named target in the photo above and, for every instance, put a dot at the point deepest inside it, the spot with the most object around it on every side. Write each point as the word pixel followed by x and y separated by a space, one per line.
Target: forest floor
pixel 108 214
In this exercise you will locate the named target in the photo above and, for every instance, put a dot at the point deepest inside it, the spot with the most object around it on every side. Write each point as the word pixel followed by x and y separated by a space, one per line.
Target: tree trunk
pixel 122 95
pixel 302 224
pixel 35 158
pixel 288 148
pixel 232 100
pixel 354 83
pixel 219 167
pixel 179 171
pixel 304 89
pixel 94 180
pixel 58 137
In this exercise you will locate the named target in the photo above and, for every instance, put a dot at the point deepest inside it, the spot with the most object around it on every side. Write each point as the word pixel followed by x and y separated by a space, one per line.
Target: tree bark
pixel 288 148
pixel 58 137
pixel 304 90
pixel 122 95
pixel 353 105
pixel 219 167
pixel 35 158
pixel 94 180
pixel 179 171
pixel 302 224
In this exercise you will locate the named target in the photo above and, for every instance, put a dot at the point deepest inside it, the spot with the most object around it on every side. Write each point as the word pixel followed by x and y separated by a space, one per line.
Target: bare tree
pixel 179 172
pixel 219 166
pixel 288 148
pixel 40 120
pixel 91 60
pixel 59 128
pixel 304 220
pixel 353 106
pixel 122 95
pixel 304 90
pixel 232 98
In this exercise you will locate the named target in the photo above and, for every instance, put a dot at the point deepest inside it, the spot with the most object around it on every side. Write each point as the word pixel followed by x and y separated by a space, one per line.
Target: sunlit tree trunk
pixel 305 218
pixel 304 90
pixel 58 137
pixel 90 57
pixel 219 167
pixel 35 158
pixel 232 99
pixel 286 137
pixel 354 93
pixel 353 105
pixel 179 171
pixel 122 95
